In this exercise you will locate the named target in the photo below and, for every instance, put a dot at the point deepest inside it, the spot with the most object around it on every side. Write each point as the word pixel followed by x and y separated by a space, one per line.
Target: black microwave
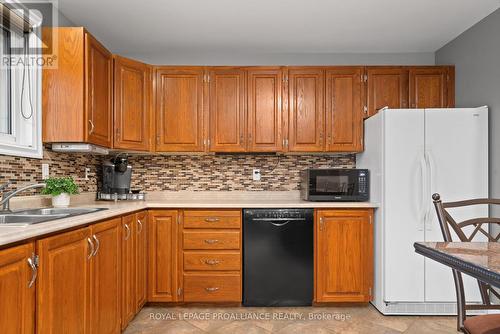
pixel 334 185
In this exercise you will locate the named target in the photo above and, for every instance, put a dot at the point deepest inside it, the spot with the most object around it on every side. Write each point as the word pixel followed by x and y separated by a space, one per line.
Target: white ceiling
pixel 276 26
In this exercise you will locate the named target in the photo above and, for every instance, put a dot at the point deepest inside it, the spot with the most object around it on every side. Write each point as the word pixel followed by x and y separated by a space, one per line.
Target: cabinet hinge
pixel 207 78
pixel 365 109
pixel 370 291
pixel 364 78
pixel 371 219
pixel 285 79
pixel 36 260
pixel 179 291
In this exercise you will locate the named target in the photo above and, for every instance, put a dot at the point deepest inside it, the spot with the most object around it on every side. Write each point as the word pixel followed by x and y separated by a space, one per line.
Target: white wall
pixel 476 55
pixel 237 59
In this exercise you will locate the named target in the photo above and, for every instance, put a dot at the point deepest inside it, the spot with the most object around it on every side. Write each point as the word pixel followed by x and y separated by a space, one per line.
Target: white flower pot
pixel 61 201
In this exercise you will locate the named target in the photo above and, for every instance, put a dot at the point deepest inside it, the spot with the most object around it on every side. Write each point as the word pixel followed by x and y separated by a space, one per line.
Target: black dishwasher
pixel 278 260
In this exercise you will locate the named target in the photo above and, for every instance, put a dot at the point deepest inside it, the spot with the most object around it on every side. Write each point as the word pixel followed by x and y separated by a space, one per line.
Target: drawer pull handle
pixel 212 219
pixel 212 262
pixel 212 289
pixel 211 241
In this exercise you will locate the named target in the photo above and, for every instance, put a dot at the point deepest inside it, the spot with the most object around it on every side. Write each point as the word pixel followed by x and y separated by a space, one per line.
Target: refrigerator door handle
pixel 430 173
pixel 423 182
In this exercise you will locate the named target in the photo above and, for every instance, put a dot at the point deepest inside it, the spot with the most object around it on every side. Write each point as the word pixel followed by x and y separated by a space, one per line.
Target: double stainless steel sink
pixel 35 216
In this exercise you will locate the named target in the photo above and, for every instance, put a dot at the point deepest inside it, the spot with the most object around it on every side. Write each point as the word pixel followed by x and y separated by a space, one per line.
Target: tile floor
pixel 327 320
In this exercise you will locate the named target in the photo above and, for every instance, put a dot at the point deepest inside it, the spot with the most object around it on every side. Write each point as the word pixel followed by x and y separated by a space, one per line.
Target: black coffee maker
pixel 116 175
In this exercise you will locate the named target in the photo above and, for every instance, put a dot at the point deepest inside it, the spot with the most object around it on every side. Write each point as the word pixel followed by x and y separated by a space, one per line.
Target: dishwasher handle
pixel 278 219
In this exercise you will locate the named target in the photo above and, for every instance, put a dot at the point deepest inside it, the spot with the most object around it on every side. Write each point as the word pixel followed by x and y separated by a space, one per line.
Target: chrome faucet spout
pixel 5 202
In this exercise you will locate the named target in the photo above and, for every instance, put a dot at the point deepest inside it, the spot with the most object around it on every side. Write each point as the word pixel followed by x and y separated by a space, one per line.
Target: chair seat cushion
pixel 483 324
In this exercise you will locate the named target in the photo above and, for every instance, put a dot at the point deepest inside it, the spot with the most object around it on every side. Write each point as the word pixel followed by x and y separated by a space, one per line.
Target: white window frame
pixel 26 137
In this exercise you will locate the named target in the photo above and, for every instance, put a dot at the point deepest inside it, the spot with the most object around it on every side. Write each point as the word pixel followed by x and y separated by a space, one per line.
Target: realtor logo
pixel 27 38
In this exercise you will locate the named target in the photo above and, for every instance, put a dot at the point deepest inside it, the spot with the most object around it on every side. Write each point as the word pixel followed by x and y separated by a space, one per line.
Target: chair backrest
pixel 446 220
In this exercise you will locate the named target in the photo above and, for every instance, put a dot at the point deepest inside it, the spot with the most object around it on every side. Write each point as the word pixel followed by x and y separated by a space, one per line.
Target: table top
pixel 477 259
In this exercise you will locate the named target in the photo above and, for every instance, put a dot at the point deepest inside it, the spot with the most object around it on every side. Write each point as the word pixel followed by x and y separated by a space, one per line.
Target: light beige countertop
pixel 158 200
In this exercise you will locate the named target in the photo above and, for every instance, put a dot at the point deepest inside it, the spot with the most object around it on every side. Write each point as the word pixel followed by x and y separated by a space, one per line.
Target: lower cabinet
pixel 63 287
pixel 344 255
pixel 17 289
pixel 211 253
pixel 163 267
pixel 105 277
pixel 78 282
pixel 134 265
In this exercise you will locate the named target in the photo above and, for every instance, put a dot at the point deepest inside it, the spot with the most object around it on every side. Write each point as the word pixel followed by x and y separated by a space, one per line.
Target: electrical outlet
pixel 256 175
pixel 87 172
pixel 45 171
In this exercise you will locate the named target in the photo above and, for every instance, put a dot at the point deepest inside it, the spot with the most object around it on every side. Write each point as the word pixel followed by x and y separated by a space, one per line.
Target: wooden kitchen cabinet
pixel 306 120
pixel 132 105
pixel 344 255
pixel 264 103
pixel 77 93
pixel 227 94
pixel 344 114
pixel 179 109
pixel 164 253
pixel 128 272
pixel 63 283
pixel 387 86
pixel 105 276
pixel 141 259
pixel 17 305
pixel 432 87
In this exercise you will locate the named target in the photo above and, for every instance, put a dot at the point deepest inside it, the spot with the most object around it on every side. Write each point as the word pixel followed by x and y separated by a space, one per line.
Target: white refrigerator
pixel 411 154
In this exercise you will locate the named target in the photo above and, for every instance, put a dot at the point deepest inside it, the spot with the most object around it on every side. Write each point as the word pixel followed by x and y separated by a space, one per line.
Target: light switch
pixel 45 171
pixel 256 174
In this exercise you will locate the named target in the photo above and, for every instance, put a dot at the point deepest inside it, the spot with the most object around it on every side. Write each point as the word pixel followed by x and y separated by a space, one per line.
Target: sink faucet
pixel 5 202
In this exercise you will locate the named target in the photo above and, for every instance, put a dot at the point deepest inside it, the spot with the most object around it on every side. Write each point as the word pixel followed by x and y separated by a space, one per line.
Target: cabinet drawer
pixel 211 240
pixel 212 261
pixel 212 288
pixel 212 219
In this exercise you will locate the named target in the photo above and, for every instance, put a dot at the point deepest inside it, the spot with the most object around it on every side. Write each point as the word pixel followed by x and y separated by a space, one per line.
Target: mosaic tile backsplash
pixel 174 173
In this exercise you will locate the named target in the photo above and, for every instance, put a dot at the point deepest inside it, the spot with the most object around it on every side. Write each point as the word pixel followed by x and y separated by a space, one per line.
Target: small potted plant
pixel 60 188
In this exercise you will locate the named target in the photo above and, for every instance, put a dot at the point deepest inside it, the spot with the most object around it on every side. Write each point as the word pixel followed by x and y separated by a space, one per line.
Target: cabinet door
pixel 99 92
pixel 344 255
pixel 429 87
pixel 387 87
pixel 132 94
pixel 141 259
pixel 179 109
pixel 163 273
pixel 63 287
pixel 264 109
pixel 227 110
pixel 344 119
pixel 17 306
pixel 307 113
pixel 128 305
pixel 105 277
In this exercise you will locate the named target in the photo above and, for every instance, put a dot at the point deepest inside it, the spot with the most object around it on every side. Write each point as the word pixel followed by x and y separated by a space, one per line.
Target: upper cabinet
pixel 77 94
pixel 132 105
pixel 386 87
pixel 265 91
pixel 179 109
pixel 344 114
pixel 306 120
pixel 432 87
pixel 115 102
pixel 227 96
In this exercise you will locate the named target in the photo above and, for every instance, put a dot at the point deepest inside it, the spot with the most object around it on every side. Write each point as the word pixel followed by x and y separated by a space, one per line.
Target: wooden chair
pixel 481 324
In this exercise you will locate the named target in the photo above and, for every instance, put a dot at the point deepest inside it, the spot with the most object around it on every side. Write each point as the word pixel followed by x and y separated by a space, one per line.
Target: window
pixel 20 95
